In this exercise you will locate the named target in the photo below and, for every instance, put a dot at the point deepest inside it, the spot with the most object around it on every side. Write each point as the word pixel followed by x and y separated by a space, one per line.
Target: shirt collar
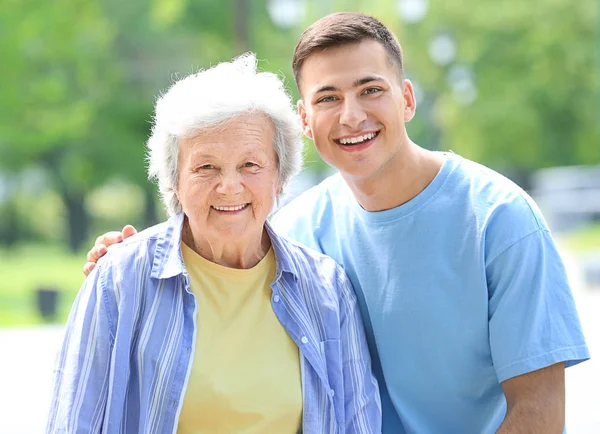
pixel 284 256
pixel 168 261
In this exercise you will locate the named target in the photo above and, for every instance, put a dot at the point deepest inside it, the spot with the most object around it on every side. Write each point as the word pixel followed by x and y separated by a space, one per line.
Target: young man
pixel 468 311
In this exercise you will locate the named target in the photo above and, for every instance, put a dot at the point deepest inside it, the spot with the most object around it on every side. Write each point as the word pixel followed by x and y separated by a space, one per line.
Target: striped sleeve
pixel 82 368
pixel 361 401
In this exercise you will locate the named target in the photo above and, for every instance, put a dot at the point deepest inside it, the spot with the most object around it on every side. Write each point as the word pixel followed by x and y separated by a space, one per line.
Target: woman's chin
pixel 237 232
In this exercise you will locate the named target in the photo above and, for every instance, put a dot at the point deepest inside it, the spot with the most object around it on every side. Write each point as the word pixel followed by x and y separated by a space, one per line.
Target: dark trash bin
pixel 47 302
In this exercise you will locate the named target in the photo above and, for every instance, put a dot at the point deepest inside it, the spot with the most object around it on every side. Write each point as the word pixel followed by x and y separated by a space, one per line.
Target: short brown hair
pixel 344 28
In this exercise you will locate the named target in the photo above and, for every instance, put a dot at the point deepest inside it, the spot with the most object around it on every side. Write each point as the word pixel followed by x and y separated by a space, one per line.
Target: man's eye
pixel 250 164
pixel 371 90
pixel 206 167
pixel 326 99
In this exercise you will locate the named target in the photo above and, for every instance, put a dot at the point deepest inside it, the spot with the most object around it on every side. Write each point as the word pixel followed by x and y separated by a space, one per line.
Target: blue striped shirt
pixel 130 341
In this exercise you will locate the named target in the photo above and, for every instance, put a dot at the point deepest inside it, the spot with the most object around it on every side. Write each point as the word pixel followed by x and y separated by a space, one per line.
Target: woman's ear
pixel 279 187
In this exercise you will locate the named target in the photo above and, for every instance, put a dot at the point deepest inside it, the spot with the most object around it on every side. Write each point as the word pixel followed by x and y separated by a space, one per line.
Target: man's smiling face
pixel 354 106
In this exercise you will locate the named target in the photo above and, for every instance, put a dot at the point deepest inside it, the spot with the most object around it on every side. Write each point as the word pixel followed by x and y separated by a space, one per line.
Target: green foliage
pixel 59 74
pixel 536 78
pixel 80 78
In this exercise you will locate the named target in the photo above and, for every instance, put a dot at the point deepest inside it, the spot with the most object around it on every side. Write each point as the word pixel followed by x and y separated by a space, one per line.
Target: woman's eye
pixel 206 167
pixel 249 164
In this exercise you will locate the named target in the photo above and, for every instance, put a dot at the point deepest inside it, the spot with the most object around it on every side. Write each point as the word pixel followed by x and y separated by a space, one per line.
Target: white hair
pixel 209 98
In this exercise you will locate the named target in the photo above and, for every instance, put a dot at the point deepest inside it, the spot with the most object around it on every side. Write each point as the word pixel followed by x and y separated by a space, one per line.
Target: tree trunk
pixel 78 219
pixel 150 215
pixel 10 231
pixel 241 21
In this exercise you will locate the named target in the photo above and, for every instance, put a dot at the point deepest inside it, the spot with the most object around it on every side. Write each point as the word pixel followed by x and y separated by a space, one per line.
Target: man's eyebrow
pixel 326 88
pixel 366 80
pixel 357 83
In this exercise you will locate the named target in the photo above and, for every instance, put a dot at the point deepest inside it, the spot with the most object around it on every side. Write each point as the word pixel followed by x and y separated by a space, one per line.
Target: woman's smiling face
pixel 229 178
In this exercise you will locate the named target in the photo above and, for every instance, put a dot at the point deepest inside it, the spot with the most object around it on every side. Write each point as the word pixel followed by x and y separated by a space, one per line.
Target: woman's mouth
pixel 230 209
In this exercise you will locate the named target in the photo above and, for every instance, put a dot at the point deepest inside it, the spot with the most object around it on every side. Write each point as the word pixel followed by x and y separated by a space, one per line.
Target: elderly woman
pixel 211 322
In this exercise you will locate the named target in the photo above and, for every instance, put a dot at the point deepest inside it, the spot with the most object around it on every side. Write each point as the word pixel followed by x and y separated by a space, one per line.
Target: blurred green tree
pixel 57 75
pixel 535 73
pixel 80 78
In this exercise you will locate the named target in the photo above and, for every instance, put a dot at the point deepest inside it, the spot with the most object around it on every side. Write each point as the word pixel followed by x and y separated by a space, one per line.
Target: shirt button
pixel 276 299
pixel 331 393
pixel 188 349
pixel 175 404
pixel 304 340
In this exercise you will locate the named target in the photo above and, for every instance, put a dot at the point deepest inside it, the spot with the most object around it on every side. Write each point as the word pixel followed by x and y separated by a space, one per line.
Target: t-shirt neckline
pixel 451 161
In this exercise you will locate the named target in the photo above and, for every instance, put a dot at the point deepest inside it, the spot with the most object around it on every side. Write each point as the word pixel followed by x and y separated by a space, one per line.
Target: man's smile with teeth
pixel 358 139
pixel 230 208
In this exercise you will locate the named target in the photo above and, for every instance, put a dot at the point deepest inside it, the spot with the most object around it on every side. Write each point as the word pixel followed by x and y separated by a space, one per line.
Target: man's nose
pixel 353 114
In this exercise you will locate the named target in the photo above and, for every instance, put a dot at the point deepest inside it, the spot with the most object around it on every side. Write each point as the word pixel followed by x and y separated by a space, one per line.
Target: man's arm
pixel 535 402
pixel 534 332
pixel 101 245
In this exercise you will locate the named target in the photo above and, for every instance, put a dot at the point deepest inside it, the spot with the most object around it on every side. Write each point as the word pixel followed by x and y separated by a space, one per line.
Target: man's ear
pixel 303 118
pixel 410 102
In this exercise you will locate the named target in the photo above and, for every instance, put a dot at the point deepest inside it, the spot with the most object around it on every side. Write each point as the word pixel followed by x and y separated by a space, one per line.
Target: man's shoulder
pixel 301 218
pixel 504 213
pixel 296 251
pixel 492 193
pixel 321 193
pixel 314 201
pixel 487 181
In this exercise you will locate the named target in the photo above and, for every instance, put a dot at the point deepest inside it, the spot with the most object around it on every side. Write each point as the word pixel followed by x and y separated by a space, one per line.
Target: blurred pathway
pixel 25 377
pixel 583 380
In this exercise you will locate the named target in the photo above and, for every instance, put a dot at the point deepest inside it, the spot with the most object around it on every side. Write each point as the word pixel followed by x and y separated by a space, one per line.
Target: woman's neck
pixel 237 253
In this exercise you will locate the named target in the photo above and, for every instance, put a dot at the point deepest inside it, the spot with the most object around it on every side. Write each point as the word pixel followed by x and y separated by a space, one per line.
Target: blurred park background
pixel 511 84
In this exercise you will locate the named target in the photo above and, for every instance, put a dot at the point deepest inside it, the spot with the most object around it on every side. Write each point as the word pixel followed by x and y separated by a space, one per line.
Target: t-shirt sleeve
pixel 533 322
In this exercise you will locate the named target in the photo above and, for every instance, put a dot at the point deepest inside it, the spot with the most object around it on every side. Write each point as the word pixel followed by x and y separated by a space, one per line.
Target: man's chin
pixel 357 170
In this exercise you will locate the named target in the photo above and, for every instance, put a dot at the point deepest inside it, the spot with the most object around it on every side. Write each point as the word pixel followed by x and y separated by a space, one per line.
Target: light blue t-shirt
pixel 460 289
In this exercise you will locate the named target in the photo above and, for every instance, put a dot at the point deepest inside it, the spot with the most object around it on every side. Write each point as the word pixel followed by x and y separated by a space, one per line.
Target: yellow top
pixel 245 375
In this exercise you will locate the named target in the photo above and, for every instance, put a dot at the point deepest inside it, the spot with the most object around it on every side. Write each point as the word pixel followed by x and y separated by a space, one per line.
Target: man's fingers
pixel 101 246
pixel 96 252
pixel 87 268
pixel 128 231
pixel 109 238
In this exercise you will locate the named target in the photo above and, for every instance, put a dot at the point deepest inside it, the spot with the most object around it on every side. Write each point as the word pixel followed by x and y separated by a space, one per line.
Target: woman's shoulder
pixel 136 252
pixel 310 266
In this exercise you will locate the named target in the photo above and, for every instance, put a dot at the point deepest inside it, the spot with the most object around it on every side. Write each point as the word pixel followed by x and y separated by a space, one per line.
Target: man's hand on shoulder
pixel 102 244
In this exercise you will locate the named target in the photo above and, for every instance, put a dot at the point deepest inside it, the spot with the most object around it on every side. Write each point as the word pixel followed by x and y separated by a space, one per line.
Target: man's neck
pixel 401 180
